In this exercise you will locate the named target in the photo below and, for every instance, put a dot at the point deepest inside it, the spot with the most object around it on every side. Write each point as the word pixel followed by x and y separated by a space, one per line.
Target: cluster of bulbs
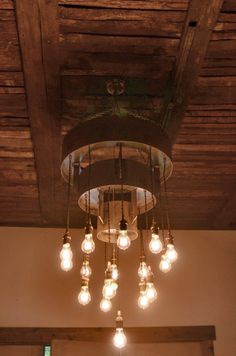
pixel 148 292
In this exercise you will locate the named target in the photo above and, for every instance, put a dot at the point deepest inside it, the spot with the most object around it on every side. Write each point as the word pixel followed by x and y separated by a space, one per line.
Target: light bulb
pixel 88 245
pixel 143 270
pixel 143 301
pixel 123 241
pixel 165 265
pixel 105 305
pixel 151 292
pixel 114 272
pixel 84 296
pixel 66 264
pixel 66 253
pixel 119 338
pixel 171 253
pixel 114 285
pixel 85 270
pixel 108 290
pixel 155 245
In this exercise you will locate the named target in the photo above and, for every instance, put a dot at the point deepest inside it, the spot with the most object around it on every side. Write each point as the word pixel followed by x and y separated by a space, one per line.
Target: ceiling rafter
pixel 200 21
pixel 38 31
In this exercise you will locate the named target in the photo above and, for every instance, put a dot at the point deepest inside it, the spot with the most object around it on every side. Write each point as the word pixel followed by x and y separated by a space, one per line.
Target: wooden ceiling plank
pixel 127 4
pixel 226 218
pixel 200 20
pixel 44 336
pixel 39 34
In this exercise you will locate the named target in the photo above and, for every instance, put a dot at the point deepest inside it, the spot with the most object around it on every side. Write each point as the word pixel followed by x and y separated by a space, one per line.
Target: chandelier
pixel 117 163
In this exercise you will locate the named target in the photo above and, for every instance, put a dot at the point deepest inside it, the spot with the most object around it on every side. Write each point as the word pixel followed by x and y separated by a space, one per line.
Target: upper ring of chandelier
pixel 118 164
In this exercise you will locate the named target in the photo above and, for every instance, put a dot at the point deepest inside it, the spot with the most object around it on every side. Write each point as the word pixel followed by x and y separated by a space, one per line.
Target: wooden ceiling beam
pixel 38 30
pixel 44 336
pixel 200 21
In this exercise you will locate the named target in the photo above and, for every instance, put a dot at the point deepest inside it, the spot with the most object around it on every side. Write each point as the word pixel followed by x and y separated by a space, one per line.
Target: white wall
pixel 200 290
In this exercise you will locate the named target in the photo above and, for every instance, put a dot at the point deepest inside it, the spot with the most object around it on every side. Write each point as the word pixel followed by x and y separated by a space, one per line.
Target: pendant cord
pixel 151 180
pixel 166 198
pixel 161 213
pixel 146 211
pixel 89 182
pixel 142 252
pixel 69 194
pixel 122 182
pixel 109 221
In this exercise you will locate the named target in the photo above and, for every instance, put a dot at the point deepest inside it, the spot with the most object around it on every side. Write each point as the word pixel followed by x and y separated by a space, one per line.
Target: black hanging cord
pixel 166 197
pixel 151 179
pixel 121 180
pixel 89 182
pixel 161 212
pixel 69 194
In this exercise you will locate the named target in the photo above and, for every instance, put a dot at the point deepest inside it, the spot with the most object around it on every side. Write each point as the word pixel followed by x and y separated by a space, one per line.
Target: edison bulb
pixel 114 272
pixel 114 285
pixel 66 264
pixel 84 296
pixel 155 245
pixel 66 253
pixel 119 338
pixel 143 270
pixel 88 245
pixel 85 270
pixel 105 305
pixel 108 290
pixel 165 264
pixel 151 292
pixel 143 301
pixel 123 241
pixel 171 253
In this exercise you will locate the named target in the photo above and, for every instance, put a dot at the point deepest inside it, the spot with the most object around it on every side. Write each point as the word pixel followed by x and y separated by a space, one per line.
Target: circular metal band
pixel 116 128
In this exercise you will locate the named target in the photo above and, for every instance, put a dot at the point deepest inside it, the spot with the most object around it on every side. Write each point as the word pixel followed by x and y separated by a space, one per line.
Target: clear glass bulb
pixel 155 245
pixel 85 270
pixel 143 301
pixel 105 305
pixel 84 296
pixel 114 285
pixel 151 292
pixel 165 264
pixel 88 245
pixel 108 290
pixel 171 253
pixel 119 338
pixel 123 241
pixel 66 264
pixel 66 252
pixel 114 272
pixel 143 270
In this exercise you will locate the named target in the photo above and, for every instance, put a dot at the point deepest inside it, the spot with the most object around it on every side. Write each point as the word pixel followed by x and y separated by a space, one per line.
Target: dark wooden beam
pixel 200 21
pixel 44 336
pixel 227 217
pixel 39 35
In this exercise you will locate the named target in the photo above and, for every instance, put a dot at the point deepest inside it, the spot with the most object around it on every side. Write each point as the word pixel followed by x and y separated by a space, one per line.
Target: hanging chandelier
pixel 117 163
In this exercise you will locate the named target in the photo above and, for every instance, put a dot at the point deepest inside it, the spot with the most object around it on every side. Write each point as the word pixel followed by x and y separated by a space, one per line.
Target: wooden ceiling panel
pixel 18 180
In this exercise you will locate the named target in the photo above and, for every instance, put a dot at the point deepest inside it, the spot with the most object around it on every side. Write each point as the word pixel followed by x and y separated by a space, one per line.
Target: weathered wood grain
pixel 38 33
pixel 44 336
pixel 201 18
pixel 127 4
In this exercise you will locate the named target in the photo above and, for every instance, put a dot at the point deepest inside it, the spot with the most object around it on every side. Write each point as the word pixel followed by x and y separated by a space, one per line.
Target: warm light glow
pixel 66 257
pixel 88 245
pixel 85 270
pixel 119 338
pixel 165 265
pixel 114 272
pixel 84 296
pixel 66 265
pixel 108 291
pixel 143 270
pixel 171 253
pixel 143 301
pixel 114 285
pixel 105 305
pixel 123 241
pixel 151 292
pixel 155 245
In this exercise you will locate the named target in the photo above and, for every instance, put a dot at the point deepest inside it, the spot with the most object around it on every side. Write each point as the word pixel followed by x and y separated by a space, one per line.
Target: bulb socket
pixel 169 240
pixel 123 225
pixel 88 229
pixel 84 281
pixel 154 228
pixel 66 238
pixel 119 320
